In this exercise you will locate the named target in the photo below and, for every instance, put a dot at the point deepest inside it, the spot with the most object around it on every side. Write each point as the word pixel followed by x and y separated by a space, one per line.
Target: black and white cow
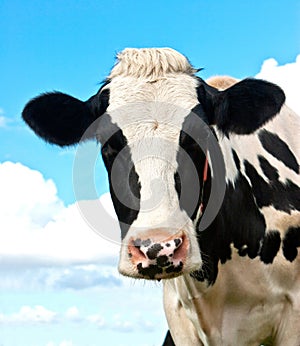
pixel 235 281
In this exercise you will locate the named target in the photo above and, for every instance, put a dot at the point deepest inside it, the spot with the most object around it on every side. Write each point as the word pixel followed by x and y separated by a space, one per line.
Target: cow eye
pixel 186 141
pixel 108 151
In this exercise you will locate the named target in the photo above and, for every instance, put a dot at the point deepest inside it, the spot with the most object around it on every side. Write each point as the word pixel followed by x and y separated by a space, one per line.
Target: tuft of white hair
pixel 150 63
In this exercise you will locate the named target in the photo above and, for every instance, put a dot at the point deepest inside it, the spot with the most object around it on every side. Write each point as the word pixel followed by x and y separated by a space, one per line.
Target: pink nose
pixel 157 256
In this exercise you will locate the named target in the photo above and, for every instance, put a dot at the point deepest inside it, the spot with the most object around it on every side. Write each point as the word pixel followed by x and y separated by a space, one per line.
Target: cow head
pixel 153 118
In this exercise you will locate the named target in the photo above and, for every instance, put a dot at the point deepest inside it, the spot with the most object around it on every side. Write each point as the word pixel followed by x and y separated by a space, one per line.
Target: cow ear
pixel 62 119
pixel 246 106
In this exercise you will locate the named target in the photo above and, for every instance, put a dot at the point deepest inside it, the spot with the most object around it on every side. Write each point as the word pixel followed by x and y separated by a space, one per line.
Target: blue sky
pixel 60 288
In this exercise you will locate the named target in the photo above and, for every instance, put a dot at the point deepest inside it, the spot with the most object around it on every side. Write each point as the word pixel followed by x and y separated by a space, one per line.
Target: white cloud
pixel 73 314
pixel 27 314
pixel 98 320
pixel 287 76
pixel 63 343
pixel 27 196
pixel 123 326
pixel 81 277
pixel 37 229
pixel 3 120
pixel 66 343
pixel 48 244
pixel 41 315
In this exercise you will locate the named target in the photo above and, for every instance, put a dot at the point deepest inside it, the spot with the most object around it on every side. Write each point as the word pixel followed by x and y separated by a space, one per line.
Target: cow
pixel 205 184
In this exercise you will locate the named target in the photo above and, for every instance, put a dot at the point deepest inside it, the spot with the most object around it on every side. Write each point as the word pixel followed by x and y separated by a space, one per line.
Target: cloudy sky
pixel 59 285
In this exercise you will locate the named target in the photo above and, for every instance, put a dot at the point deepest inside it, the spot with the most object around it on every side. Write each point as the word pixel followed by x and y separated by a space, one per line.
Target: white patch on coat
pixel 248 302
pixel 280 220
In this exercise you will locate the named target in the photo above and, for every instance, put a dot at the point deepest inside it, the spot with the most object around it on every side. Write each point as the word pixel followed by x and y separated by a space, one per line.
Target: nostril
pixel 181 245
pixel 153 251
pixel 178 242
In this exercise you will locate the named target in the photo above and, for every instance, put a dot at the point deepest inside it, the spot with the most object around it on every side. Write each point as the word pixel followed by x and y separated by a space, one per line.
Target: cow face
pixel 153 119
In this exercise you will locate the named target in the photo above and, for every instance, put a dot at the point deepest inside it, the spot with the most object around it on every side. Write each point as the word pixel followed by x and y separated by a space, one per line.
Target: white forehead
pixel 151 92
pixel 151 109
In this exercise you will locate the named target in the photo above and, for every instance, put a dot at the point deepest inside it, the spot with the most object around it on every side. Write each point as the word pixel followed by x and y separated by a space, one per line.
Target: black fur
pixel 168 340
pixel 270 246
pixel 236 159
pixel 285 197
pixel 242 218
pixel 270 172
pixel 239 222
pixel 291 242
pixel 279 149
pixel 190 171
pixel 126 187
pixel 62 119
pixel 206 95
pixel 242 108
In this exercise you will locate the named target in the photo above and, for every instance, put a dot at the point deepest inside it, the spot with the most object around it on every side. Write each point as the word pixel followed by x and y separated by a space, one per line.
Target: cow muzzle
pixel 156 254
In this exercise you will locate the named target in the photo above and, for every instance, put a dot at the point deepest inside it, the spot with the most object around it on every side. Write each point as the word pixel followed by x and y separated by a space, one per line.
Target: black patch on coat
pixel 270 246
pixel 242 219
pixel 168 340
pixel 240 222
pixel 190 161
pixel 285 197
pixel 291 242
pixel 269 171
pixel 274 145
pixel 242 108
pixel 236 160
pixel 243 251
pixel 126 188
pixel 177 184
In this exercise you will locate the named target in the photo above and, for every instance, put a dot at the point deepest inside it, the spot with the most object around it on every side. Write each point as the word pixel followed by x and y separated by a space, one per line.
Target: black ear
pixel 244 107
pixel 206 94
pixel 62 119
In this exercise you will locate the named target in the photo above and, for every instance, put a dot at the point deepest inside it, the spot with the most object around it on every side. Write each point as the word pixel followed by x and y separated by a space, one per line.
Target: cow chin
pixel 159 254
